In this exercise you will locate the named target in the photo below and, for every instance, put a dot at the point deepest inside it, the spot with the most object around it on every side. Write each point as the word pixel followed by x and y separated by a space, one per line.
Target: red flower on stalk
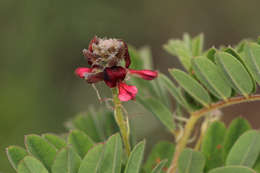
pixel 104 57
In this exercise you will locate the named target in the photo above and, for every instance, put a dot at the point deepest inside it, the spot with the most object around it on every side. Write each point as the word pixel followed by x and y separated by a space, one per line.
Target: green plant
pixel 212 79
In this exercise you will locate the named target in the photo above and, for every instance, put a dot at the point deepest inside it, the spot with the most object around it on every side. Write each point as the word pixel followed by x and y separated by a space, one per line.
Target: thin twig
pixel 97 92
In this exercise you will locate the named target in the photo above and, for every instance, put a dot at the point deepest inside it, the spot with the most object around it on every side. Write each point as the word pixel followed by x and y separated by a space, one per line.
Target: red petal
pixel 127 92
pixel 88 75
pixel 81 71
pixel 145 74
pixel 114 75
pixel 127 56
pixel 95 77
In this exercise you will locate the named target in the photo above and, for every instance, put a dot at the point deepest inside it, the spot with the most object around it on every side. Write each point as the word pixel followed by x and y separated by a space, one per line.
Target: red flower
pixel 104 56
pixel 114 75
pixel 145 74
pixel 126 92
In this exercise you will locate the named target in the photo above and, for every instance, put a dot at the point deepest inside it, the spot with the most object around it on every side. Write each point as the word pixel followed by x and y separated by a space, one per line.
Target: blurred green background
pixel 41 43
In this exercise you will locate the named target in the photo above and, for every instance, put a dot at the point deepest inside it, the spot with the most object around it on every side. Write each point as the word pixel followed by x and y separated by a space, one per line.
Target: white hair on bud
pixel 106 44
pixel 107 48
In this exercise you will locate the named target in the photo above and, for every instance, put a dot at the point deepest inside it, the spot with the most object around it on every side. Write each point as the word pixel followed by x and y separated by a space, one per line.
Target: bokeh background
pixel 41 43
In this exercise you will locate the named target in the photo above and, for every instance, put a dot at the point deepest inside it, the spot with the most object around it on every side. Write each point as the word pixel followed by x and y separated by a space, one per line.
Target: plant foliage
pixel 210 79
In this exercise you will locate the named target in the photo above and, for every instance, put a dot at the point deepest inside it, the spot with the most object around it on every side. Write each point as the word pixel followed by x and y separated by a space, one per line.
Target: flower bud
pixel 104 52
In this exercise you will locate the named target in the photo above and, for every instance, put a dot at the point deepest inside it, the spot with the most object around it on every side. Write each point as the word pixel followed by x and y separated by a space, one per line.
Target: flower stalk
pixel 183 142
pixel 122 121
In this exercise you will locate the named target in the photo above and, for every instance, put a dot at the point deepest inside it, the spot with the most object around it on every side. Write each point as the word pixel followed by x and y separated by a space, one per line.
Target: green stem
pixel 183 142
pixel 204 126
pixel 197 115
pixel 122 121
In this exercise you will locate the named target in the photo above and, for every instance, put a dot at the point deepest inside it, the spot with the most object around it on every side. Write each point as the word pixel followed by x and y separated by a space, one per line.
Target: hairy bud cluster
pixel 104 52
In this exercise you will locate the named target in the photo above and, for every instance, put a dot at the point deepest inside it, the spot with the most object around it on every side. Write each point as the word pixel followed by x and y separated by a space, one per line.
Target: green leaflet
pixel 159 167
pixel 54 140
pixel 135 159
pixel 232 169
pixel 181 50
pixel 161 92
pixel 148 87
pixel 191 161
pixel 193 103
pixel 159 110
pixel 187 41
pixel 142 59
pixel 112 158
pixel 15 154
pixel 252 59
pixel 235 73
pixel 197 45
pixel 80 142
pixel 92 160
pixel 210 54
pixel 109 124
pixel 191 86
pixel 235 54
pixel 161 151
pixel 246 149
pixel 185 49
pixel 146 55
pixel 257 164
pixel 241 45
pixel 98 125
pixel 237 127
pixel 208 73
pixel 41 149
pixel 66 161
pixel 174 91
pixel 87 123
pixel 136 60
pixel 31 165
pixel 212 145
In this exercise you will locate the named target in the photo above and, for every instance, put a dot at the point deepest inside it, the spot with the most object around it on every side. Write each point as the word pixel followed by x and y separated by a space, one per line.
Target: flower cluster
pixel 105 56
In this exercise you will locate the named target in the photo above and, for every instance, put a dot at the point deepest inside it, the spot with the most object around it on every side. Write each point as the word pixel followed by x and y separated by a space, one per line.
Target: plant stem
pixel 198 114
pixel 229 102
pixel 198 143
pixel 122 121
pixel 183 142
pixel 203 129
